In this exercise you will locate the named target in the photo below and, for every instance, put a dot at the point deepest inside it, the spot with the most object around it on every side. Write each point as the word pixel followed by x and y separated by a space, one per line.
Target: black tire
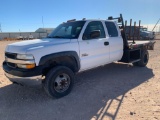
pixel 144 59
pixel 59 82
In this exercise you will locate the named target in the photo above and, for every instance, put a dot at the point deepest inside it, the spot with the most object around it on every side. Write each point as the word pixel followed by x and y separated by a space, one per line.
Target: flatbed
pixel 149 44
pixel 134 51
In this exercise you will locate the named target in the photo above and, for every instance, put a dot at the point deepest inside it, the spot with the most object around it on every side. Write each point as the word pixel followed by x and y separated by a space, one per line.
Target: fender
pixel 53 56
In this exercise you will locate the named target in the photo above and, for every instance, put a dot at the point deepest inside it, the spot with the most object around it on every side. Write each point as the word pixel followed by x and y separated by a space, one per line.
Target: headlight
pixel 26 61
pixel 25 56
pixel 28 66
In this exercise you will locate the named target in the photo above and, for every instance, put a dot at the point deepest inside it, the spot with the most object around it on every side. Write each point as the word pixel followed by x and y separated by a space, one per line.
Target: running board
pixel 135 61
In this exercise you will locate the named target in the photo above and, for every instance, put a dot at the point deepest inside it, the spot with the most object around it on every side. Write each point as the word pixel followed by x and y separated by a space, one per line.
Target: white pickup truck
pixel 74 46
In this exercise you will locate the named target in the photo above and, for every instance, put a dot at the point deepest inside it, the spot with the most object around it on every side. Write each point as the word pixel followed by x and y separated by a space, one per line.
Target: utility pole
pixel 20 32
pixel 0 28
pixel 42 22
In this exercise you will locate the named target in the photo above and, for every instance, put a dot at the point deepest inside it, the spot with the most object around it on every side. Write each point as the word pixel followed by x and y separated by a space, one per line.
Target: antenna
pixel 42 22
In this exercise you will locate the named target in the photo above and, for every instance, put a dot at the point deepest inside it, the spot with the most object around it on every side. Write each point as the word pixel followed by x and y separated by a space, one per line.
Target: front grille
pixel 11 55
pixel 13 65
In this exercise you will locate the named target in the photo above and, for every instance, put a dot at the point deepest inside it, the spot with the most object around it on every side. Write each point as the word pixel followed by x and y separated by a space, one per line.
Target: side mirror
pixel 119 20
pixel 95 34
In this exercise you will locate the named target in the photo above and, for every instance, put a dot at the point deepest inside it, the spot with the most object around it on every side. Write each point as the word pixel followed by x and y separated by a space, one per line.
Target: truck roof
pixel 90 20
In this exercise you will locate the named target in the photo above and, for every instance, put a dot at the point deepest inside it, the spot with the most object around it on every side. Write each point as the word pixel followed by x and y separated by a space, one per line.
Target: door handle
pixel 106 43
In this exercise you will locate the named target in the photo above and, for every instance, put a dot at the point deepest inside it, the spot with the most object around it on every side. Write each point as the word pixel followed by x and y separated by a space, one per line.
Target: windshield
pixel 143 29
pixel 69 30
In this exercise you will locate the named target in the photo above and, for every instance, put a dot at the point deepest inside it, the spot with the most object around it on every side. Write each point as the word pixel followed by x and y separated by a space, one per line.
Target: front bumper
pixel 23 76
pixel 28 81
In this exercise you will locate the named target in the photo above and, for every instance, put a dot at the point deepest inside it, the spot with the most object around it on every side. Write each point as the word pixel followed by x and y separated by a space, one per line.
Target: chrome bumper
pixel 29 81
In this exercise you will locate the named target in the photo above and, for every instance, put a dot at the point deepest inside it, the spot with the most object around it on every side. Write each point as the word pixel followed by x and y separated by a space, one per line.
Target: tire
pixel 144 59
pixel 59 82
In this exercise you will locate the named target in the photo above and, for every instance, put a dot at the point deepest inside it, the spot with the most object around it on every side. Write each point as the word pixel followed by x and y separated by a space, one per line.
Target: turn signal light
pixel 28 66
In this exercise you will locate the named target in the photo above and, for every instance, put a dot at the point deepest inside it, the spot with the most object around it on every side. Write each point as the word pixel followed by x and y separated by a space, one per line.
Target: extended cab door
pixel 93 51
pixel 115 41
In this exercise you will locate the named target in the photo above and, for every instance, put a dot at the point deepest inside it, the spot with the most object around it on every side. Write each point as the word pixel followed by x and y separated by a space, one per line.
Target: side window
pixel 112 30
pixel 92 26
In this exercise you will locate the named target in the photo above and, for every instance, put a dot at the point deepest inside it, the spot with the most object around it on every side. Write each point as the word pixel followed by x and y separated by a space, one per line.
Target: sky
pixel 26 15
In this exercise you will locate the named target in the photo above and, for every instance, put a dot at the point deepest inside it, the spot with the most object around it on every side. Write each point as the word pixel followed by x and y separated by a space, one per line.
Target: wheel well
pixel 67 61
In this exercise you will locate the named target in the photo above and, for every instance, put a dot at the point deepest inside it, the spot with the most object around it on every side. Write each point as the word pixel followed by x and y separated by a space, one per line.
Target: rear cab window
pixel 112 29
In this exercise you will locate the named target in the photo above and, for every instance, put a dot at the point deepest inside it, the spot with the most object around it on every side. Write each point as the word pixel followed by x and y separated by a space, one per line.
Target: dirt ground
pixel 114 92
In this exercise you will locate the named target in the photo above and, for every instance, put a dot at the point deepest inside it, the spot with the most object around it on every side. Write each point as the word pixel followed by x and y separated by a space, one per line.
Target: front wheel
pixel 59 81
pixel 144 59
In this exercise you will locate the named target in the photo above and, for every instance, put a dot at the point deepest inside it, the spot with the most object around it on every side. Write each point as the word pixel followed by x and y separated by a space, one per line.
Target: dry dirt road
pixel 115 91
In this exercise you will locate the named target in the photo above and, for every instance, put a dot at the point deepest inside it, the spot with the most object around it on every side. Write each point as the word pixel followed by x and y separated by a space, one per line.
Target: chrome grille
pixel 11 55
pixel 13 65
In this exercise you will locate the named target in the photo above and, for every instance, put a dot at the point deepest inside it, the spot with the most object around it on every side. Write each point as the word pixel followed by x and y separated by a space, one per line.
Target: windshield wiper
pixel 57 36
pixel 49 37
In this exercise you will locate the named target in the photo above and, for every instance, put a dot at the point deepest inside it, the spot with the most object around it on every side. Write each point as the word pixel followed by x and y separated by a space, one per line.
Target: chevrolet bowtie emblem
pixel 85 54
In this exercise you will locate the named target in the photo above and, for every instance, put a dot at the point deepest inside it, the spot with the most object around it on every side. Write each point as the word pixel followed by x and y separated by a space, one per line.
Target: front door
pixel 93 51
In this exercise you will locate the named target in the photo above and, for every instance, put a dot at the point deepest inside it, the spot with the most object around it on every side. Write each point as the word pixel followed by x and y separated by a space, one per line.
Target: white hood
pixel 22 47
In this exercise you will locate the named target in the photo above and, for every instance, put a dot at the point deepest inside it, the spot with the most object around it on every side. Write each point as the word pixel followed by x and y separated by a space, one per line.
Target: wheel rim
pixel 145 58
pixel 62 82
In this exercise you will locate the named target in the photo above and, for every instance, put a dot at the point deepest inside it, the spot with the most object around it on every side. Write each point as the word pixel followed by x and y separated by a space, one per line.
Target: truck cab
pixel 146 35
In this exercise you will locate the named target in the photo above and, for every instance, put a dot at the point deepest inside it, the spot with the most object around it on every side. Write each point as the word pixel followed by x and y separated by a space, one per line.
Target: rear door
pixel 115 41
pixel 93 52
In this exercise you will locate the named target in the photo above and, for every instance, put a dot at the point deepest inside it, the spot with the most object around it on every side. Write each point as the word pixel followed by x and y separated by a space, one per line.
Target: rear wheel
pixel 144 59
pixel 59 81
